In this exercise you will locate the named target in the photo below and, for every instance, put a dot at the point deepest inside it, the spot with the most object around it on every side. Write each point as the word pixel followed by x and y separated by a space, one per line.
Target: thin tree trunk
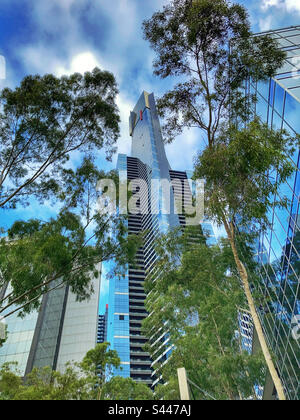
pixel 257 324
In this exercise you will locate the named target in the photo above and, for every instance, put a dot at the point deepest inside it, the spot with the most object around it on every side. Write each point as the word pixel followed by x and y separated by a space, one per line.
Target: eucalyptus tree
pixel 39 255
pixel 85 380
pixel 209 46
pixel 119 388
pixel 78 381
pixel 197 297
pixel 43 121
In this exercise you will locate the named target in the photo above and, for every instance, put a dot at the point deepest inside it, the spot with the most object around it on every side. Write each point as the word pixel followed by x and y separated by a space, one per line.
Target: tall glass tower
pixel 156 214
pixel 278 104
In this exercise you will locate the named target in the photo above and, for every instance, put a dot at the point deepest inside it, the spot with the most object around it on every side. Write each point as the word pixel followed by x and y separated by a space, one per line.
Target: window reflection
pixel 279 247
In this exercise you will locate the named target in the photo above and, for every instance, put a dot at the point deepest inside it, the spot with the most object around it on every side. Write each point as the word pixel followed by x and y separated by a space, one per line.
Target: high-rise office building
pixel 62 331
pixel 278 104
pixel 156 213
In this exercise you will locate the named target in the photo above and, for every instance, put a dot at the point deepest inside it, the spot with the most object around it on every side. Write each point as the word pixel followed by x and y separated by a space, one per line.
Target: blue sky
pixel 64 36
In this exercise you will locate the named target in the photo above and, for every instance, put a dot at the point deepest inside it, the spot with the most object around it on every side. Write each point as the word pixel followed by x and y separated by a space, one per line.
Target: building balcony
pixel 139 354
pixel 137 324
pixel 137 315
pixel 140 362
pixel 133 344
pixel 138 299
pixel 135 329
pixel 138 337
pixel 137 307
pixel 137 287
pixel 137 293
pixel 143 381
pixel 146 372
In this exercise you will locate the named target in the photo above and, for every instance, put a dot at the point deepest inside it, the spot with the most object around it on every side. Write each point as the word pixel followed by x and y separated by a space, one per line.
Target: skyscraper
pixel 156 213
pixel 62 331
pixel 278 104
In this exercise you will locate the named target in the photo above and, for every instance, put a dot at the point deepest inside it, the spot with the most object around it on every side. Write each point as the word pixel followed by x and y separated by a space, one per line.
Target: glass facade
pixel 118 306
pixel 278 104
pixel 47 332
pixel 148 163
pixel 63 330
pixel 19 339
pixel 78 328
pixel 156 214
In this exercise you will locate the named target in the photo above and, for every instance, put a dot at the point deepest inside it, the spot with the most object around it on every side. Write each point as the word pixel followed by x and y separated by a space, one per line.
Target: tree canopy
pixel 87 380
pixel 43 121
pixel 210 48
pixel 38 255
pixel 198 298
pixel 208 45
pixel 243 171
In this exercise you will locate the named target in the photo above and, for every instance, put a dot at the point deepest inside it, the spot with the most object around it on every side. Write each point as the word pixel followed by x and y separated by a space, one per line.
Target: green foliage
pixel 39 256
pixel 196 296
pixel 10 381
pixel 244 170
pixel 3 333
pixel 43 121
pixel 119 388
pixel 80 381
pixel 228 376
pixel 79 187
pixel 100 359
pixel 209 45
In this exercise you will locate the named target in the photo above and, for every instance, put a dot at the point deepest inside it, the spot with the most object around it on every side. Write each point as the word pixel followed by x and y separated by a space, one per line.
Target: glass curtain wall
pixel 278 104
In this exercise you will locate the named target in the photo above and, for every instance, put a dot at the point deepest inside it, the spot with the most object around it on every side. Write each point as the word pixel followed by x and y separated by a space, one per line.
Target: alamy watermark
pixel 156 197
pixel 2 68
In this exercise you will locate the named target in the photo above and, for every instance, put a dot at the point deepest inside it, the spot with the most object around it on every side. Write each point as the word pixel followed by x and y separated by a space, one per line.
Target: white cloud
pixel 125 106
pixel 80 63
pixel 270 3
pixel 64 42
pixel 38 59
pixel 285 5
pixel 293 5
pixel 64 45
pixel 265 24
pixel 55 15
pixel 124 15
pixel 182 151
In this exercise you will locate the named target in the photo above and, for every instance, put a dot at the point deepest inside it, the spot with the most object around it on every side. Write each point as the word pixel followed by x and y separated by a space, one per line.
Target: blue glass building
pixel 278 104
pixel 157 213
